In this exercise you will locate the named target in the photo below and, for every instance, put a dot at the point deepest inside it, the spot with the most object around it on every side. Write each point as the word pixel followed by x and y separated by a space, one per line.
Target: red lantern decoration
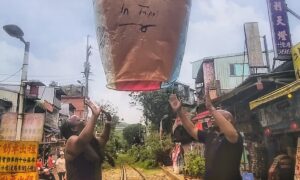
pixel 259 86
pixel 267 132
pixel 294 125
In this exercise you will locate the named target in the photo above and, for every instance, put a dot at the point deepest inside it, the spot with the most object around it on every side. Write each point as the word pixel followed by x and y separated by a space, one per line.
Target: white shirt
pixel 61 165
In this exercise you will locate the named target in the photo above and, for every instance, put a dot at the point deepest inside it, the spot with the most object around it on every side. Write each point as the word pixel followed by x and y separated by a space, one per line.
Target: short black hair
pixel 66 130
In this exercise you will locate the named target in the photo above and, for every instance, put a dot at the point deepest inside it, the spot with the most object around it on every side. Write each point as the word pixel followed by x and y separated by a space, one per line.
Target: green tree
pixel 155 107
pixel 114 144
pixel 152 152
pixel 133 134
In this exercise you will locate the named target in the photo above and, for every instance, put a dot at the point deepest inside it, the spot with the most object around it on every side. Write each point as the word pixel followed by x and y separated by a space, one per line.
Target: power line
pixel 10 76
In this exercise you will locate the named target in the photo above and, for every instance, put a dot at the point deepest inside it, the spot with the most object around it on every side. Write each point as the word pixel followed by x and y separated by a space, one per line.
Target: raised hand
pixel 174 102
pixel 96 110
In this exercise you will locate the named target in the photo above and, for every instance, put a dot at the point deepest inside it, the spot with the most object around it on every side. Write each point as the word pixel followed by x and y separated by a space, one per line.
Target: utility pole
pixel 267 53
pixel 87 68
pixel 16 32
pixel 22 91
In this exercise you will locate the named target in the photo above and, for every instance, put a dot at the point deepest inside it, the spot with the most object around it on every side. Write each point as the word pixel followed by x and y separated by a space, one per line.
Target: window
pixel 239 69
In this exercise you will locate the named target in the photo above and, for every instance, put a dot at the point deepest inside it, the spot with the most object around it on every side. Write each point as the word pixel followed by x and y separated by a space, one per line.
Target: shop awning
pixel 285 90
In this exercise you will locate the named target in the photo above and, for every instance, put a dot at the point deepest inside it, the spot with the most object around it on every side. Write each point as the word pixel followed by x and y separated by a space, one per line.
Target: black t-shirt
pixel 81 168
pixel 222 158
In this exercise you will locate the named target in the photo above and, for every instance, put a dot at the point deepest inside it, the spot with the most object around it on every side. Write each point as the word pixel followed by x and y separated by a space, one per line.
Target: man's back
pixel 82 167
pixel 222 157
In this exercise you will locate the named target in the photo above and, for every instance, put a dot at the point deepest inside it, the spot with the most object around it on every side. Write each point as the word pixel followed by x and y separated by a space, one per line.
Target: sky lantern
pixel 141 45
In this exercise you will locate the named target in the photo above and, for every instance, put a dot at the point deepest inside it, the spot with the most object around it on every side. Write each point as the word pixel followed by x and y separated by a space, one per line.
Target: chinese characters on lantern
pixel 280 29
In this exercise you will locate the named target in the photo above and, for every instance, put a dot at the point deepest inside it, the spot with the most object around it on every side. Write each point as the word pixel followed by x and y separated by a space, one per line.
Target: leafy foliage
pixel 155 107
pixel 132 134
pixel 150 154
pixel 194 164
pixel 115 143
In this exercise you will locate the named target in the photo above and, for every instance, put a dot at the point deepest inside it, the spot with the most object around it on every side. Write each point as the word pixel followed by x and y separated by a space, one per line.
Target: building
pixel 234 86
pixel 186 93
pixel 75 96
pixel 50 97
pixel 38 99
pixel 8 100
pixel 223 72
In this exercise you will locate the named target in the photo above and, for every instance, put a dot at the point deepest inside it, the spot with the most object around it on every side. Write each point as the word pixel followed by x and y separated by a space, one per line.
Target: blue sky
pixel 57 31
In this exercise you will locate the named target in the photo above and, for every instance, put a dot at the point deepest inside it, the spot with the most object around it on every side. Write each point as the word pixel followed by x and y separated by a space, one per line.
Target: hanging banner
pixel 280 29
pixel 32 127
pixel 8 128
pixel 19 176
pixel 18 156
pixel 140 43
pixel 296 60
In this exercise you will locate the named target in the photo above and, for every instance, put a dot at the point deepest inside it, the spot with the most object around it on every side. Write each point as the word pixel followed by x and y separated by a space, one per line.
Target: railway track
pixel 131 173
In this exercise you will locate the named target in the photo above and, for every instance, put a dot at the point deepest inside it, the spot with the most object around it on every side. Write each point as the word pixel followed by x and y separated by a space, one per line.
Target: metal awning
pixel 285 90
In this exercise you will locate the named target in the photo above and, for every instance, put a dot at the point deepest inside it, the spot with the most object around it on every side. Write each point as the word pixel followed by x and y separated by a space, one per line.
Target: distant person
pixel 39 164
pixel 282 167
pixel 84 153
pixel 50 162
pixel 61 166
pixel 223 144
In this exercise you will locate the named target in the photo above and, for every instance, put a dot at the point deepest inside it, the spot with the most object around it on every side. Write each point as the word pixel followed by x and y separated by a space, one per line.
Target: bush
pixel 150 154
pixel 194 164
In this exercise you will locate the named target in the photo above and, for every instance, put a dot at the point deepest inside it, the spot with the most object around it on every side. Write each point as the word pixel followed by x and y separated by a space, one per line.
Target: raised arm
pixel 76 144
pixel 224 123
pixel 104 137
pixel 187 124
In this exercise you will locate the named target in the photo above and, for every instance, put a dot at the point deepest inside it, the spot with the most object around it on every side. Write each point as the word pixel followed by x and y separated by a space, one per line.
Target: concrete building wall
pixel 46 93
pixel 222 68
pixel 10 96
pixel 65 109
pixel 222 72
pixel 77 102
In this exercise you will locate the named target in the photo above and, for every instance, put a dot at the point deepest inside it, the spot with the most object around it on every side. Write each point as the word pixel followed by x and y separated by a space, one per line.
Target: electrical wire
pixel 10 76
pixel 45 76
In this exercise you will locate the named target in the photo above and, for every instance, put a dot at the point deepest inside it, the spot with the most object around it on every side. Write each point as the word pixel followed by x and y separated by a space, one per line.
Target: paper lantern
pixel 267 132
pixel 294 125
pixel 141 42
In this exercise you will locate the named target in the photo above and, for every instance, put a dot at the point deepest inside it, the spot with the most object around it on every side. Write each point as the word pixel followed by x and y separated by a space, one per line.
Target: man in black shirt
pixel 223 145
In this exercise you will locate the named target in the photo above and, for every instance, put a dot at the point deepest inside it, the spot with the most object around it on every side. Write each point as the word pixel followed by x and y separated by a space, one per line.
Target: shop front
pixel 279 116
